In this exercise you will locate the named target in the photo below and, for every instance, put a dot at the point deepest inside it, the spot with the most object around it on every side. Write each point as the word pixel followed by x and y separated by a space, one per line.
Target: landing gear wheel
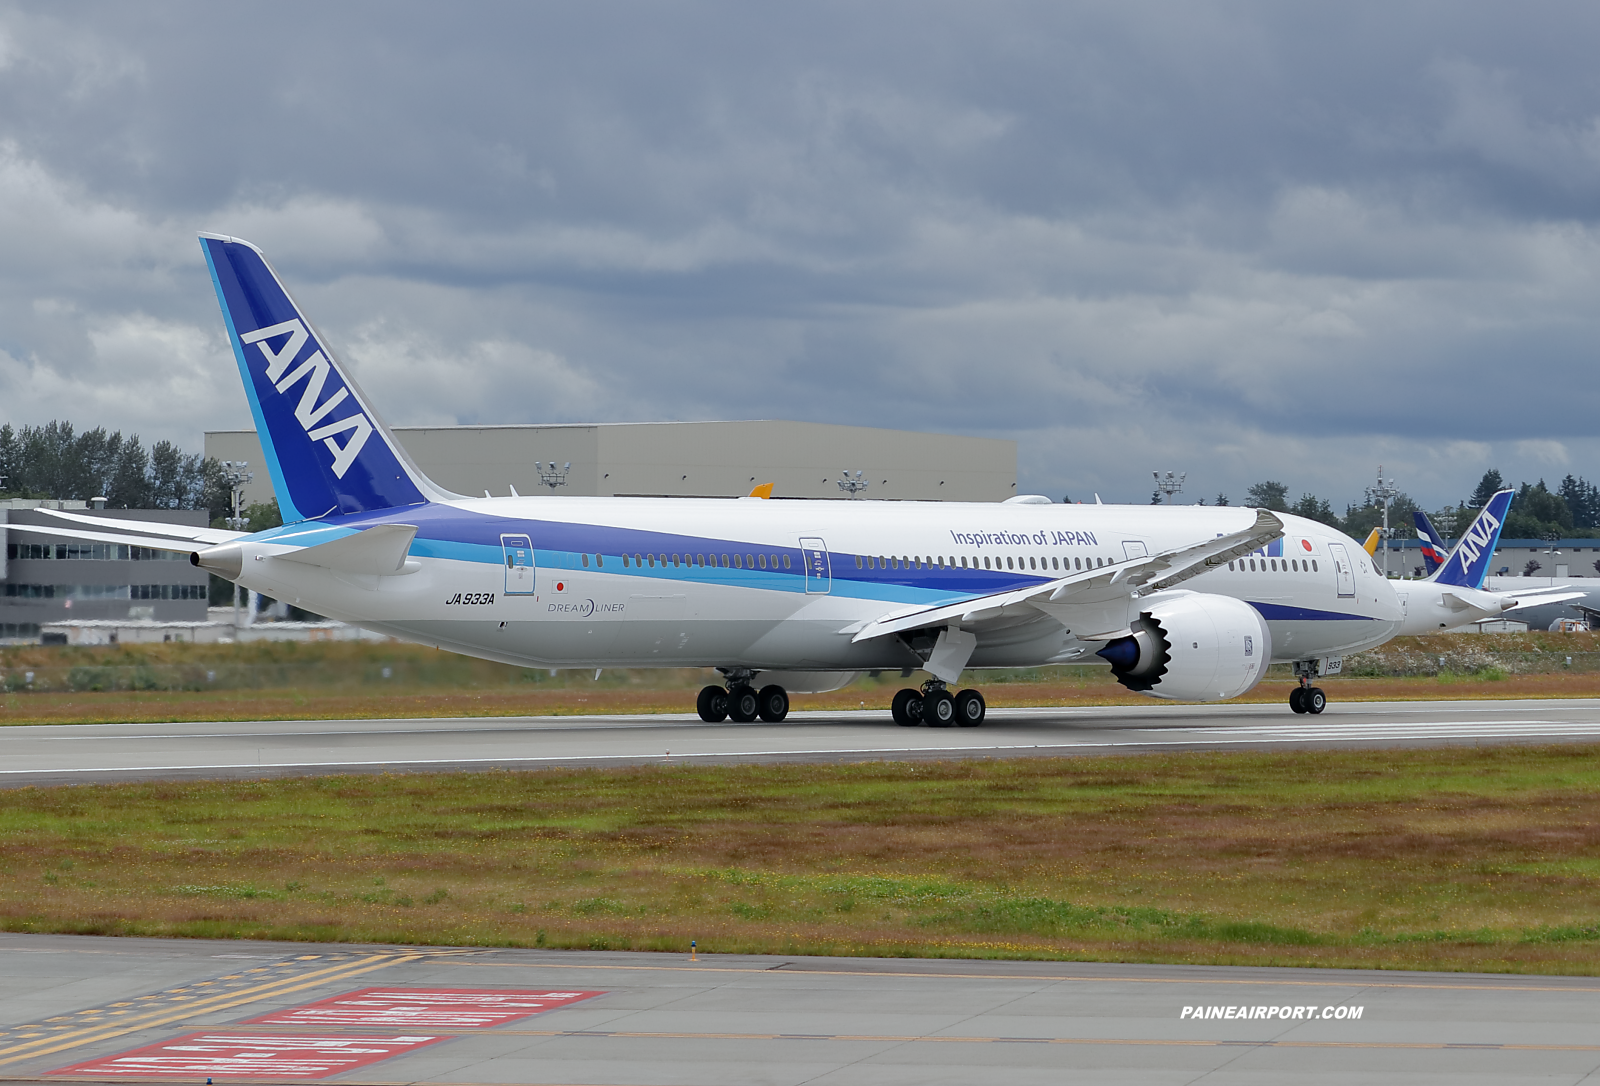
pixel 938 709
pixel 1314 700
pixel 907 708
pixel 743 705
pixel 970 708
pixel 1297 699
pixel 773 704
pixel 712 705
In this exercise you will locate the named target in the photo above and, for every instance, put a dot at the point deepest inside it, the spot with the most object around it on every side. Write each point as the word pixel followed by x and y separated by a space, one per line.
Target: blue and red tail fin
pixel 1433 549
pixel 1468 564
pixel 325 446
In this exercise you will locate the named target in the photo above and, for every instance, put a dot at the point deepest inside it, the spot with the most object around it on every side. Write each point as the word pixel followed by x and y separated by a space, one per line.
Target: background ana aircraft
pixel 1189 603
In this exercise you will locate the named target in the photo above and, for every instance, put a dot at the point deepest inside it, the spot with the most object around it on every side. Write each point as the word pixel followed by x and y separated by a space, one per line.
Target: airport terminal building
pixel 686 460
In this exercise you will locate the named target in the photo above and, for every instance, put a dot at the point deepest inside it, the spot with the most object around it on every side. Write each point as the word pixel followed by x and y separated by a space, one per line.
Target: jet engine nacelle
pixel 1192 646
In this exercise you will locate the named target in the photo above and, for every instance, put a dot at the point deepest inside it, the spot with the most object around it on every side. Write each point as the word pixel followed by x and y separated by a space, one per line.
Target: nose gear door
pixel 518 551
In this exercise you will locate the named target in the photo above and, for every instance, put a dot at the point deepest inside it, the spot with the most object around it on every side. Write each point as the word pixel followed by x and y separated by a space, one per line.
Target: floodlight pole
pixel 1385 492
pixel 234 472
pixel 1169 484
pixel 552 476
pixel 853 485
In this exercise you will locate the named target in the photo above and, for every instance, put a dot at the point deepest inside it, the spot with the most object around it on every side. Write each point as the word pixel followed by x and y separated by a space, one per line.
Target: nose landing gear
pixel 1306 698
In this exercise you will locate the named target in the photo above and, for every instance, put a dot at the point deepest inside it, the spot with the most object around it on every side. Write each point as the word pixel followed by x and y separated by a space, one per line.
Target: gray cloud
pixel 1240 240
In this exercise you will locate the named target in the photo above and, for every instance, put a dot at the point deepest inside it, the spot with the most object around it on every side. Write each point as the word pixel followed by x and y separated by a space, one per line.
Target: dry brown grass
pixel 1441 859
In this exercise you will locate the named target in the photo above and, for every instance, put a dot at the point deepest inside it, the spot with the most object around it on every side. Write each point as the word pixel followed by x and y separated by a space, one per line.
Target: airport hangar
pixel 685 460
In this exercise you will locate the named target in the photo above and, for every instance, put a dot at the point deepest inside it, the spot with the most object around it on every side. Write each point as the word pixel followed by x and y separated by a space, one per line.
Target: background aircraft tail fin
pixel 327 449
pixel 1434 551
pixel 1468 564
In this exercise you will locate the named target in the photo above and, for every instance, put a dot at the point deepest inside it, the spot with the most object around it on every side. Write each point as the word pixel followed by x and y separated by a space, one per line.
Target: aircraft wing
pixel 1094 601
pixel 183 538
pixel 206 536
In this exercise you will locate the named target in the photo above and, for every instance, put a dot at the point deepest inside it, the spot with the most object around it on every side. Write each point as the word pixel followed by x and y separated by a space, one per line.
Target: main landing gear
pixel 936 707
pixel 741 702
pixel 1306 698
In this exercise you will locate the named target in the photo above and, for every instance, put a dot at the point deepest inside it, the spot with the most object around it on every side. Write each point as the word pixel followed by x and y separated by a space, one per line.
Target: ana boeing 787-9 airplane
pixel 1188 603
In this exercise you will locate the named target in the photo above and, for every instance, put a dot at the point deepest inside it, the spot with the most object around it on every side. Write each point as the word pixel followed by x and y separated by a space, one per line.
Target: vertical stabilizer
pixel 1432 545
pixel 1469 563
pixel 327 449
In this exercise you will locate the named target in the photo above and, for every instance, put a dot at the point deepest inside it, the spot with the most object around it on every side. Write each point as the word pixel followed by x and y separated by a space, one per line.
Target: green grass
pixel 1449 859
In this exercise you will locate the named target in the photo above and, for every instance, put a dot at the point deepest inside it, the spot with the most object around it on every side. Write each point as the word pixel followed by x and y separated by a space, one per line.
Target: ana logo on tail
pixel 1469 562
pixel 315 372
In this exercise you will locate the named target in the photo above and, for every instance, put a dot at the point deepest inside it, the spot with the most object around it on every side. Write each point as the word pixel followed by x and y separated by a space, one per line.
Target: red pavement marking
pixel 258 1056
pixel 423 1008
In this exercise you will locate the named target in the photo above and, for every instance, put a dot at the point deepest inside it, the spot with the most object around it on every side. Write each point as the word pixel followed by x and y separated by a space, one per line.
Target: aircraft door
pixel 1344 573
pixel 518 551
pixel 819 572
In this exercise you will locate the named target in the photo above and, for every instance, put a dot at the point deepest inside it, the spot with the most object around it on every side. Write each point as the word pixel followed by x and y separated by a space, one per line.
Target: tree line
pixel 56 461
pixel 1571 510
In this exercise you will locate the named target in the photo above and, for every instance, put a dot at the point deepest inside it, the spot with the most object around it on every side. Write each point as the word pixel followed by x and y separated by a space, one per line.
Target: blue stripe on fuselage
pixel 1277 612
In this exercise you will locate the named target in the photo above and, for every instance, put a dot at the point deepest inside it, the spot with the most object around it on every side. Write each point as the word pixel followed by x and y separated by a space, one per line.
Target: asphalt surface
pixel 168 1010
pixel 82 753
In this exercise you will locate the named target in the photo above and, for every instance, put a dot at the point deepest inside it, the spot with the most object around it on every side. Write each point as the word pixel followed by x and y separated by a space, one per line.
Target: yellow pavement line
pixel 72 1039
pixel 1028 976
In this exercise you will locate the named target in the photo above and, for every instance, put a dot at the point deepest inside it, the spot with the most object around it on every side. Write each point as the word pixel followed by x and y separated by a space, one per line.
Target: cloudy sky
pixel 1238 240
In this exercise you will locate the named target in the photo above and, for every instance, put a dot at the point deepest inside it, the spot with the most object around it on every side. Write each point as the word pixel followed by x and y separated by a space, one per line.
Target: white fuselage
pixel 774 584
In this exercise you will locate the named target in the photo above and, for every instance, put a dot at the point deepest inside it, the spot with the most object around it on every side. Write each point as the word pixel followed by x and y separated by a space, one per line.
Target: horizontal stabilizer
pixel 380 550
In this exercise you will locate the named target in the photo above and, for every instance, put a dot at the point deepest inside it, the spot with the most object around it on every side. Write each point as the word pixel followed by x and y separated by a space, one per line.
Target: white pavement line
pixel 642 756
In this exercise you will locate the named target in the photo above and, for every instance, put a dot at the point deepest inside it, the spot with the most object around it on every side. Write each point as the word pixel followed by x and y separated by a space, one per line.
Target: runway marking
pixel 1275 982
pixel 1196 740
pixel 63 1035
pixel 935 1038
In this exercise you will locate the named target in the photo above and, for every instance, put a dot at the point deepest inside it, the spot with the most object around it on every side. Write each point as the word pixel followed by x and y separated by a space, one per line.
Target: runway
pixel 79 1008
pixel 57 754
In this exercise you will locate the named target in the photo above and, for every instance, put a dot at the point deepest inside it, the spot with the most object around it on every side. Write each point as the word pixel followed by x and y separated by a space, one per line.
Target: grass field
pixel 274 681
pixel 1441 859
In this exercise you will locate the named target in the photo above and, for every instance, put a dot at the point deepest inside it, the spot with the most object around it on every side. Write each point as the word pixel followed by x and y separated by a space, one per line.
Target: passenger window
pixel 624 561
pixel 724 561
pixel 1252 565
pixel 674 561
pixel 1055 563
pixel 652 559
pixel 763 559
pixel 963 561
pixel 1294 567
pixel 663 561
pixel 749 561
pixel 986 561
pixel 638 560
pixel 599 559
pixel 700 560
pixel 786 561
pixel 1314 565
pixel 586 561
pixel 1008 562
pixel 859 563
pixel 1230 567
pixel 738 562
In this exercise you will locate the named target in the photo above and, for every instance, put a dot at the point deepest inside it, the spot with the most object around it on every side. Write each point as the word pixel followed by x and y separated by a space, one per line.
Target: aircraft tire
pixel 970 708
pixel 906 708
pixel 939 709
pixel 773 703
pixel 1297 699
pixel 743 705
pixel 712 705
pixel 1315 700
